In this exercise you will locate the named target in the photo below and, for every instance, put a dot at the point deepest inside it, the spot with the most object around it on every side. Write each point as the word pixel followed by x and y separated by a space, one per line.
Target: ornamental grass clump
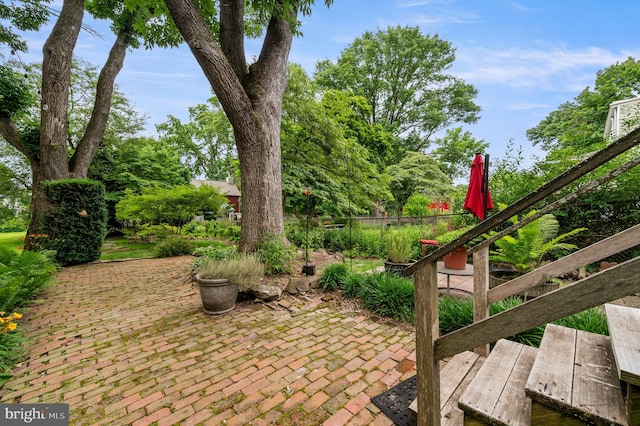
pixel 398 246
pixel 244 270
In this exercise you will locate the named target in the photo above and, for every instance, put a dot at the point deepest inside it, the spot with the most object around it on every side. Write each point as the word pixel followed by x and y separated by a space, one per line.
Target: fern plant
pixel 532 242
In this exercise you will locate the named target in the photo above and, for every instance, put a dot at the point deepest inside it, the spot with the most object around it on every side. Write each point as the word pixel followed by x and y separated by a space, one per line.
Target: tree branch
pixel 94 132
pixel 11 134
pixel 232 35
pixel 212 60
pixel 274 56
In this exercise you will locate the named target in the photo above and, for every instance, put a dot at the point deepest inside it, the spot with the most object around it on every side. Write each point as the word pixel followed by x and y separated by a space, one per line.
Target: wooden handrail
pixel 597 251
pixel 605 286
pixel 596 160
pixel 558 203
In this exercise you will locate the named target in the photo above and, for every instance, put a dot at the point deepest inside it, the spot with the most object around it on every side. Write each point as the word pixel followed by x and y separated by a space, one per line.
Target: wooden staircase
pixel 574 378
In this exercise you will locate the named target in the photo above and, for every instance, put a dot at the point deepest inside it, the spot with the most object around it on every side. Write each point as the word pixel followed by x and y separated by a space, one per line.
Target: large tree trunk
pixel 56 80
pixel 251 99
pixel 37 209
pixel 53 163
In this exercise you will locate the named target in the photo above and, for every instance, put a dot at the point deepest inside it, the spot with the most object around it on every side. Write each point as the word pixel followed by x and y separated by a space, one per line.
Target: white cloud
pixel 557 68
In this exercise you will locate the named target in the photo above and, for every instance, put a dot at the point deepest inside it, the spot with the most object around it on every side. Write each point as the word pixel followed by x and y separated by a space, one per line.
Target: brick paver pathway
pixel 127 343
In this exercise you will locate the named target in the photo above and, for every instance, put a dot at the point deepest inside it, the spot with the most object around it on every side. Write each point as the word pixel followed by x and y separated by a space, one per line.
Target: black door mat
pixel 395 402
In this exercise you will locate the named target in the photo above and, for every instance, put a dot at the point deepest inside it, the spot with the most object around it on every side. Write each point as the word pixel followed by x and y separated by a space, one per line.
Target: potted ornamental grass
pixel 220 280
pixel 399 247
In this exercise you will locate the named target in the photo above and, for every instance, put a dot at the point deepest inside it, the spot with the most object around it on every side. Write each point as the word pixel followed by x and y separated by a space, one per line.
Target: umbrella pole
pixel 485 187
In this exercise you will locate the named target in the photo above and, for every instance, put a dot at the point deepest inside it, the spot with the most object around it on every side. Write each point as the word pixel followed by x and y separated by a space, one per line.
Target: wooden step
pixel 624 329
pixel 455 376
pixel 496 396
pixel 574 380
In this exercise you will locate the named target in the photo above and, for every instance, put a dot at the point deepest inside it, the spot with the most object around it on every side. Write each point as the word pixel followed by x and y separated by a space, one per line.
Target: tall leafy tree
pixel 575 130
pixel 48 153
pixel 403 75
pixel 416 173
pixel 320 150
pixel 251 95
pixel 455 151
pixel 577 126
pixel 206 141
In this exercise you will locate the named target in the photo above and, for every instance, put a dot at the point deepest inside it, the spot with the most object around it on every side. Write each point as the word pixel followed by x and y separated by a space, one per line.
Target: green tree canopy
pixel 416 173
pixel 175 206
pixel 321 151
pixel 206 141
pixel 403 76
pixel 575 130
pixel 455 152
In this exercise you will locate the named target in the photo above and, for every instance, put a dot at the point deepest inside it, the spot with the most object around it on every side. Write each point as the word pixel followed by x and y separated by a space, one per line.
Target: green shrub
pixel 21 276
pixel 15 224
pixel 275 255
pixel 336 240
pixel 76 226
pixel 297 235
pixel 220 251
pixel 217 251
pixel 398 246
pixel 174 246
pixel 195 228
pixel 226 230
pixel 389 295
pixel 334 276
pixel 160 231
pixel 368 243
pixel 353 285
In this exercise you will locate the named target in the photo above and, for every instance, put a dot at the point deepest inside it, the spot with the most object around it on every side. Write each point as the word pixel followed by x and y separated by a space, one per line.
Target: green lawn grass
pixel 118 248
pixel 12 240
pixel 363 265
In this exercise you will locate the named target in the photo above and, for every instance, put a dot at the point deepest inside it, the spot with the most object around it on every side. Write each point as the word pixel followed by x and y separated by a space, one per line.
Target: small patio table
pixel 466 272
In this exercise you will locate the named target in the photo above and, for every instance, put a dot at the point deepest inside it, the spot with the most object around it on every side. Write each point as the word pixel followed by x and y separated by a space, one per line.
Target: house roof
pixel 225 188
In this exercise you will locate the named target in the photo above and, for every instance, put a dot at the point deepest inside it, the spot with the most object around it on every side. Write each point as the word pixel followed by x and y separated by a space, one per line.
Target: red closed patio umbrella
pixel 478 200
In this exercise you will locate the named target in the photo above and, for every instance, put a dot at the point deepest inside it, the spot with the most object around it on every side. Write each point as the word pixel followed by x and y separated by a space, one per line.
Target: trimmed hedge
pixel 77 225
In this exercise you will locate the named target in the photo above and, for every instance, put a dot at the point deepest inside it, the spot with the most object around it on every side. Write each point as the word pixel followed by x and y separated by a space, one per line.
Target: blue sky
pixel 524 57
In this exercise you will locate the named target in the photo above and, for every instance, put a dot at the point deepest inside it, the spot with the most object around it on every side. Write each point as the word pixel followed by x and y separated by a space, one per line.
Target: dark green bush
pixel 297 235
pixel 334 276
pixel 76 226
pixel 275 255
pixel 336 240
pixel 174 246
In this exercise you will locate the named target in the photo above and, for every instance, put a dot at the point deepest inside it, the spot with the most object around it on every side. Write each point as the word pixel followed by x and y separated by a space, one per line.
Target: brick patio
pixel 127 343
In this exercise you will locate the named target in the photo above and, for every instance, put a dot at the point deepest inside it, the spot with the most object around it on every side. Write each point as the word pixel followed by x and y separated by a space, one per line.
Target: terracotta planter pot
pixel 457 259
pixel 218 295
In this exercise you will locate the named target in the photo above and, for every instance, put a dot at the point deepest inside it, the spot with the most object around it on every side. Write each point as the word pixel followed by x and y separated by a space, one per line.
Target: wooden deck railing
pixel 606 286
